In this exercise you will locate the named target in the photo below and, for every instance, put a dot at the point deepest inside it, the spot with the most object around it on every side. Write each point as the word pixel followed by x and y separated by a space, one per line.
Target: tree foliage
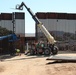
pixel 4 31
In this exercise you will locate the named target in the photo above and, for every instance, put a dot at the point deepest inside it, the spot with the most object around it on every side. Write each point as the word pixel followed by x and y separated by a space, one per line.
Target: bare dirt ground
pixel 36 65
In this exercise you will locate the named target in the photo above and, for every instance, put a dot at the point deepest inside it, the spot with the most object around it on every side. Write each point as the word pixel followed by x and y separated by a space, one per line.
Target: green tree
pixel 4 31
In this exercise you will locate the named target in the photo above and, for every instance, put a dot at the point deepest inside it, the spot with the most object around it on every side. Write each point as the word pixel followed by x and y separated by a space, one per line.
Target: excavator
pixel 47 50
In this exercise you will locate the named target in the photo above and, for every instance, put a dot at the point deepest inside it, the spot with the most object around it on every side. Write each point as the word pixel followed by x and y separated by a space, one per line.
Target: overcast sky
pixel 65 6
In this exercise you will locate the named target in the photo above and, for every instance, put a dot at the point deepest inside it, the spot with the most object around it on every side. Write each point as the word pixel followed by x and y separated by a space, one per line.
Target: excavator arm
pixel 38 23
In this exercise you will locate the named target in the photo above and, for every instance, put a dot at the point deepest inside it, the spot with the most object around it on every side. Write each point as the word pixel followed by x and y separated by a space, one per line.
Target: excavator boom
pixel 29 10
pixel 39 23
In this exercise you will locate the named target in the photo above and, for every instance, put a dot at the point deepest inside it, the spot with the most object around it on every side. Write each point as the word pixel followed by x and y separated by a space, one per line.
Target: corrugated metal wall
pixel 61 25
pixel 15 22
pixel 58 22
pixel 0 19
pixel 7 24
pixel 20 24
pixel 6 21
pixel 20 29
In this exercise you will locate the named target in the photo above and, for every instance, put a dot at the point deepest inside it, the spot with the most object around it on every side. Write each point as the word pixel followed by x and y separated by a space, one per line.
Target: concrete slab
pixel 67 58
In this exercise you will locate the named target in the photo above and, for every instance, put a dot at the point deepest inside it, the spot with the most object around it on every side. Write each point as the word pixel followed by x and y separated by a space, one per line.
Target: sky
pixel 63 6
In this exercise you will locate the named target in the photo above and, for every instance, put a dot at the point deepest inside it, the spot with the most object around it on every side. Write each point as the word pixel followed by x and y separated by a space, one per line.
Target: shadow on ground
pixel 24 58
pixel 61 62
pixel 3 57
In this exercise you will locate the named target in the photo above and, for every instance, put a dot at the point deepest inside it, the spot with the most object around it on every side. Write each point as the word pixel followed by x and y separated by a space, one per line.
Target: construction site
pixel 51 50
